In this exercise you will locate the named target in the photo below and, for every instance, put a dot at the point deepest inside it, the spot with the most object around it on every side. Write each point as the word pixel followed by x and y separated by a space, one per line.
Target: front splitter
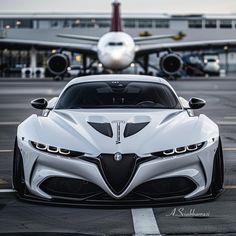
pixel 115 204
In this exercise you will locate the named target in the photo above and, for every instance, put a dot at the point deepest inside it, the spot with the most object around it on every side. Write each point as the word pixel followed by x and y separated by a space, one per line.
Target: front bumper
pixel 193 167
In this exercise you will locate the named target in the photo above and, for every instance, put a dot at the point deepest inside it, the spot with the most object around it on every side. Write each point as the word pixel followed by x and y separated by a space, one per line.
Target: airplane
pixel 116 50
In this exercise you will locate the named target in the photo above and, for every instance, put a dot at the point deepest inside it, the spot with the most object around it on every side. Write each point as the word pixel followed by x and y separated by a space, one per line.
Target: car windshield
pixel 118 94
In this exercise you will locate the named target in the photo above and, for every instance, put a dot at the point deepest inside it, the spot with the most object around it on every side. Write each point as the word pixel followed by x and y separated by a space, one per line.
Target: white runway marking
pixel 7 190
pixel 229 149
pixel 31 91
pixel 144 222
pixel 3 181
pixel 9 123
pixel 226 122
pixel 3 151
pixel 230 117
pixel 15 106
pixel 230 187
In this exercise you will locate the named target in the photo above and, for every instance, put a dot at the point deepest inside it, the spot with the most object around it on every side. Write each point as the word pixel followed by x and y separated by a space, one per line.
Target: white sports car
pixel 118 139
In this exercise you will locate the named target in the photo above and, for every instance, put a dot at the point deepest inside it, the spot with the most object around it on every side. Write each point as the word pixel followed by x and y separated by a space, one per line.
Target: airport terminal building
pixel 46 26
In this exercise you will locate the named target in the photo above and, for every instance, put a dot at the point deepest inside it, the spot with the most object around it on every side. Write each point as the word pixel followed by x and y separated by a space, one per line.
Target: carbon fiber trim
pixel 119 203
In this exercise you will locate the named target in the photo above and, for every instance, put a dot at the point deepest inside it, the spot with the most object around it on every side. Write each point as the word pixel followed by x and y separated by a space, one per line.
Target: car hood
pixel 110 131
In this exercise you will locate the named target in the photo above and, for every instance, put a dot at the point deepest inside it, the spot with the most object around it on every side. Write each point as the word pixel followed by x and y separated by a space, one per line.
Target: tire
pixel 18 171
pixel 218 171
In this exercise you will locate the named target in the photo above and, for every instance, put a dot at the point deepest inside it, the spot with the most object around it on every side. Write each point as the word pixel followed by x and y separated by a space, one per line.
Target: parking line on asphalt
pixel 31 91
pixel 144 222
pixel 7 150
pixel 230 187
pixel 7 190
pixel 229 149
pixel 3 181
pixel 226 122
pixel 230 117
pixel 9 123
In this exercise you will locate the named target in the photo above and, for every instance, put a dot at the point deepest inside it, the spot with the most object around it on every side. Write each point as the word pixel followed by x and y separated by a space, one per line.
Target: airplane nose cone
pixel 116 60
pixel 116 56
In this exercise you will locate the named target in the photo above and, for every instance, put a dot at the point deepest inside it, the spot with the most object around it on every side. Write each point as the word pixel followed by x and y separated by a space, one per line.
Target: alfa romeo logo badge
pixel 118 156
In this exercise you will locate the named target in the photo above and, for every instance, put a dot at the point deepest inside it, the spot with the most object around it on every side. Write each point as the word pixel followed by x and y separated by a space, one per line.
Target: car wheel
pixel 18 171
pixel 218 170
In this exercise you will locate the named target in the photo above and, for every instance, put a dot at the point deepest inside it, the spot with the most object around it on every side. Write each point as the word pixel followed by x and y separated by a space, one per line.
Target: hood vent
pixel 103 128
pixel 170 116
pixel 133 128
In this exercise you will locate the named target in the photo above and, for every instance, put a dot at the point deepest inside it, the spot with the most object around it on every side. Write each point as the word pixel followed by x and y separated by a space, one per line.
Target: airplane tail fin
pixel 116 18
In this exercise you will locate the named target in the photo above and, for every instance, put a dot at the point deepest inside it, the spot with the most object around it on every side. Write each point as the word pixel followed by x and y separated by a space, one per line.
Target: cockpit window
pixel 115 43
pixel 118 94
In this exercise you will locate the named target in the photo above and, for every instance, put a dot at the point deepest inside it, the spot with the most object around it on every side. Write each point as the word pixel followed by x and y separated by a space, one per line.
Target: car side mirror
pixel 196 103
pixel 39 103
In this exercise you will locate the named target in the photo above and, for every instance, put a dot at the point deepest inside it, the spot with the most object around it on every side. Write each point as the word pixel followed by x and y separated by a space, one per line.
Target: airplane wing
pixel 84 48
pixel 184 46
pixel 79 37
pixel 142 39
pixel 180 35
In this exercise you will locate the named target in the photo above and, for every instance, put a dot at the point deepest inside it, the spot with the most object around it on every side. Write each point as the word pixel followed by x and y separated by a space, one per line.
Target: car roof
pixel 120 77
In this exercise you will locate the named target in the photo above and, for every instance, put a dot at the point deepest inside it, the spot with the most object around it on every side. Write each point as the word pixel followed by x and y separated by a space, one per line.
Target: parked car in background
pixel 212 65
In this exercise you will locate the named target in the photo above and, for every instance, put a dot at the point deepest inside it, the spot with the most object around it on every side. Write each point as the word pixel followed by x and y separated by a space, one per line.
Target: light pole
pixel 226 49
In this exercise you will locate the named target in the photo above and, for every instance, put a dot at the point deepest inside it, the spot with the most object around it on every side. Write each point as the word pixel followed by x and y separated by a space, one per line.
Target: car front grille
pixel 117 174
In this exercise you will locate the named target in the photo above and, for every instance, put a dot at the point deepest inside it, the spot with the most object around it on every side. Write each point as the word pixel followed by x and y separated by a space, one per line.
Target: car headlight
pixel 55 150
pixel 179 150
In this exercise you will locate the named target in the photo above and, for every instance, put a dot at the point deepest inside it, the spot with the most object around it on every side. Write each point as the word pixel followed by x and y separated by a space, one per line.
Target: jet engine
pixel 58 63
pixel 171 64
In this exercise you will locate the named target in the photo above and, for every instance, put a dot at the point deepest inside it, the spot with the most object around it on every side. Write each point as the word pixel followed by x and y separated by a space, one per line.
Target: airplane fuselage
pixel 116 50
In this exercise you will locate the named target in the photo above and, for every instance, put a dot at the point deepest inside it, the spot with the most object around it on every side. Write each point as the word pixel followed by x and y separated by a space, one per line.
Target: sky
pixel 128 6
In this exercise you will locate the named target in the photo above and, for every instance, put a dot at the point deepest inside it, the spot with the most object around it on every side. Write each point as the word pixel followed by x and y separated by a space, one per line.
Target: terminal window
pixel 145 23
pixel 102 23
pixel 210 24
pixel 17 23
pixel 226 24
pixel 129 23
pixel 84 23
pixel 162 23
pixel 195 23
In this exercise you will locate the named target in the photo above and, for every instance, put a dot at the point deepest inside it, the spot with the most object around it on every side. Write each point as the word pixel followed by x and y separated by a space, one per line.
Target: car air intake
pixel 69 187
pixel 166 187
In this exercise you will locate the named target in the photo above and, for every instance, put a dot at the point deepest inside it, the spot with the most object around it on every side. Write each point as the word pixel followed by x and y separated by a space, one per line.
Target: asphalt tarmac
pixel 214 218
